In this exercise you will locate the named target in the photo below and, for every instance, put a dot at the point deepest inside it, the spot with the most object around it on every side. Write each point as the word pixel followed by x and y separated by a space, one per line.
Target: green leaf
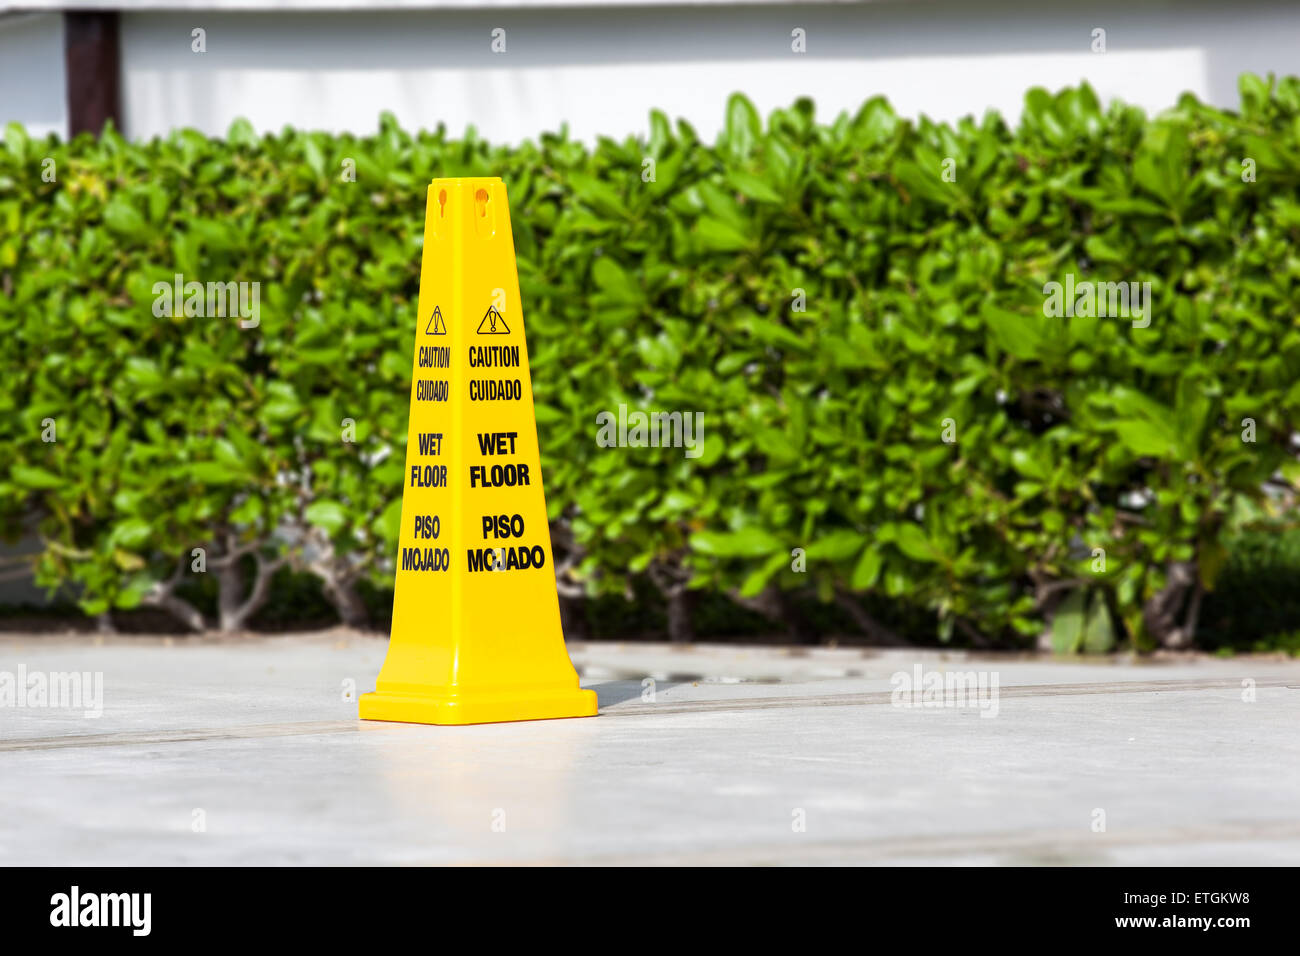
pixel 1067 623
pixel 1146 438
pixel 311 152
pixel 758 579
pixel 124 219
pixel 1024 336
pixel 720 236
pixel 389 523
pixel 241 133
pixel 330 515
pixel 215 473
pixel 31 477
pixel 837 546
pixel 131 534
pixel 753 187
pixel 912 541
pixel 1099 633
pixel 867 571
pixel 744 127
pixel 16 140
pixel 1024 462
pixel 745 543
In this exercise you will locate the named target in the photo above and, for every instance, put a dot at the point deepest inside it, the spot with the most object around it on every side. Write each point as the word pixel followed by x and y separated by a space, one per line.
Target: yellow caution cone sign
pixel 476 617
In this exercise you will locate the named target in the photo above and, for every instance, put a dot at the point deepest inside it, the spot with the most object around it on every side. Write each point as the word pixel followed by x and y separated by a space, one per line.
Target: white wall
pixel 601 70
pixel 32 87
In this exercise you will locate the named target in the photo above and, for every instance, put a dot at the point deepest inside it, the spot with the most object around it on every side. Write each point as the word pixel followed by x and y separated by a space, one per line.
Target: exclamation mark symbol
pixel 493 323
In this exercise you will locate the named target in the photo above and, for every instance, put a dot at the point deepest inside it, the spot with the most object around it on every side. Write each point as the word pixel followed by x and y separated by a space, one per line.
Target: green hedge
pixel 856 308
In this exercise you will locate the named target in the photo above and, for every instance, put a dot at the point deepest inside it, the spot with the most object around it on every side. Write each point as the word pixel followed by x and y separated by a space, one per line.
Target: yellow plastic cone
pixel 476 618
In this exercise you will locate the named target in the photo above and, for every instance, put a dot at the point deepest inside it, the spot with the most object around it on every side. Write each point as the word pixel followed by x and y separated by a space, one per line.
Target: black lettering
pixel 435 356
pixel 518 558
pixel 494 443
pixel 431 390
pixel 494 356
pixel 498 476
pixel 503 526
pixel 428 476
pixel 495 390
pixel 426 559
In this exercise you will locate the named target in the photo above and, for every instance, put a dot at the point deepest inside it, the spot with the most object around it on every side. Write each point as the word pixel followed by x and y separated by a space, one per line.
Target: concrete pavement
pixel 249 752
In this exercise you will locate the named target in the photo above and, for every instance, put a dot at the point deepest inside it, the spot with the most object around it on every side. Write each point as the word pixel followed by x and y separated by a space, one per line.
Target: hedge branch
pixel 162 595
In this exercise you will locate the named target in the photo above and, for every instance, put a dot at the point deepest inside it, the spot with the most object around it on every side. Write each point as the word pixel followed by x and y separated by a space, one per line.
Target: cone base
pixel 472 708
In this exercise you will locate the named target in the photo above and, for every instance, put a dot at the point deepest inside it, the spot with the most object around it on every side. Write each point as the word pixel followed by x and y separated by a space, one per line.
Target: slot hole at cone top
pixel 481 201
pixel 442 203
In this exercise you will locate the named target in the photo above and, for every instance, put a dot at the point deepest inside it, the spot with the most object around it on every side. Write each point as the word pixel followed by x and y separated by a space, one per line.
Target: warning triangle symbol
pixel 493 323
pixel 436 326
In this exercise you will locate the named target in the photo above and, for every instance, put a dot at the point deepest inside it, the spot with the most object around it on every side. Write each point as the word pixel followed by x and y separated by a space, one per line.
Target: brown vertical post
pixel 92 66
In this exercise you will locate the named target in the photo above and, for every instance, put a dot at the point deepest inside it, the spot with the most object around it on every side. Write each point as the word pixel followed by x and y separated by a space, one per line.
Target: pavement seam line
pixel 251 731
